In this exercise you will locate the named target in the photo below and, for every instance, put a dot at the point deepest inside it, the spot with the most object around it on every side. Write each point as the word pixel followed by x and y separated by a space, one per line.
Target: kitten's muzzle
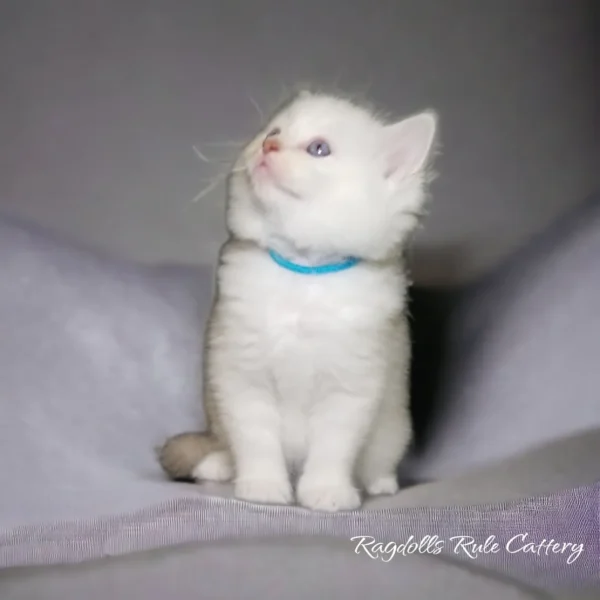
pixel 270 145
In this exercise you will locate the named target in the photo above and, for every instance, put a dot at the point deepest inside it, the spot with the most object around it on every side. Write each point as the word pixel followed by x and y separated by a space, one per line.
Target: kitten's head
pixel 328 178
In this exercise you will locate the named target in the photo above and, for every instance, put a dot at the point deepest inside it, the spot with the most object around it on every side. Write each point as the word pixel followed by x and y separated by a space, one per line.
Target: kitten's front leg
pixel 337 428
pixel 251 419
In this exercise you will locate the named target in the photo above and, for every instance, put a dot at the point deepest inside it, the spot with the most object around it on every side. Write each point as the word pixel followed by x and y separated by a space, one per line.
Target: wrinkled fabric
pixel 99 362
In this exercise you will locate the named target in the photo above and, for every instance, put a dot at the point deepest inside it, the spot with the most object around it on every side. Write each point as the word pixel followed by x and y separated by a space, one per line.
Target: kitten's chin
pixel 267 185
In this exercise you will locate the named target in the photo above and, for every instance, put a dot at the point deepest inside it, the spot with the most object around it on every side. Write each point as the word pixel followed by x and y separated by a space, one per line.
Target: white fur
pixel 217 466
pixel 310 371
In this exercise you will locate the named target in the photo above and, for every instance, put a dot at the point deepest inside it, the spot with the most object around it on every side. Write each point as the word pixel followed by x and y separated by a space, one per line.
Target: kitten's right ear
pixel 408 144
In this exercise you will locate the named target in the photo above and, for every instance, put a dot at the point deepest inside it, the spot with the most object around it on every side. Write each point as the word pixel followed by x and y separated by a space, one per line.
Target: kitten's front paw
pixel 264 491
pixel 217 466
pixel 327 497
pixel 383 486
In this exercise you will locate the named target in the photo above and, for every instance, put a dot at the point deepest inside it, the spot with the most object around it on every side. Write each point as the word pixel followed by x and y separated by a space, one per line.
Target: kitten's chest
pixel 296 326
pixel 299 313
pixel 302 333
pixel 285 315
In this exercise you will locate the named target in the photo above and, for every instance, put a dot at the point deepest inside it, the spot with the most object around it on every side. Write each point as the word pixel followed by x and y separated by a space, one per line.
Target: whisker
pixel 217 179
pixel 285 92
pixel 416 214
pixel 228 143
pixel 338 79
pixel 209 188
pixel 207 179
pixel 257 107
pixel 202 157
pixel 209 161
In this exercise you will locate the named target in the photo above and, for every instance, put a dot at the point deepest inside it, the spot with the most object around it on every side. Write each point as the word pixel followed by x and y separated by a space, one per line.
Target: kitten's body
pixel 304 373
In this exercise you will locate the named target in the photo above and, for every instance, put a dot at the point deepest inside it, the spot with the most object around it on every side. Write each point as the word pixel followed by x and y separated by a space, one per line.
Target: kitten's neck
pixel 291 257
pixel 306 257
pixel 320 269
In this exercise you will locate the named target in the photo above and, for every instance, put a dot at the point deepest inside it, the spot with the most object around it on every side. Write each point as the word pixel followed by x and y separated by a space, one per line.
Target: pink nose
pixel 270 145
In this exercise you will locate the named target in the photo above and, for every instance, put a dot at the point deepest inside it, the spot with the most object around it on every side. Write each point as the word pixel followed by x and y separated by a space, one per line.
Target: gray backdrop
pixel 102 101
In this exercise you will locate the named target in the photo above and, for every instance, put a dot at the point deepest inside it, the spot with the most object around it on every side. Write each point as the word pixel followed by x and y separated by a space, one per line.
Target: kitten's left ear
pixel 408 144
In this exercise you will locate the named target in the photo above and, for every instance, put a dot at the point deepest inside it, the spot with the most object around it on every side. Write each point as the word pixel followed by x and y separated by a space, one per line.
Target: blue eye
pixel 319 148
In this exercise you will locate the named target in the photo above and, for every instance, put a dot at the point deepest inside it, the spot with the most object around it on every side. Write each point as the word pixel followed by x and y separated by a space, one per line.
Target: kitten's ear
pixel 408 144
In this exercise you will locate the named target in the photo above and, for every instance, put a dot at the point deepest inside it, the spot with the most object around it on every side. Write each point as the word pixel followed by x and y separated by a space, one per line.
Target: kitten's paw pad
pixel 383 486
pixel 330 498
pixel 264 491
pixel 217 466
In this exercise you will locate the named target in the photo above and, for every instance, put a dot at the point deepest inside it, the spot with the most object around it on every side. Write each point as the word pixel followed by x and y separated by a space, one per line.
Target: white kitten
pixel 307 371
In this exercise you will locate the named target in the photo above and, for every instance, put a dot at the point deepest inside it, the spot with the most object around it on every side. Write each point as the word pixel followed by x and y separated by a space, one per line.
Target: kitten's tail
pixel 182 453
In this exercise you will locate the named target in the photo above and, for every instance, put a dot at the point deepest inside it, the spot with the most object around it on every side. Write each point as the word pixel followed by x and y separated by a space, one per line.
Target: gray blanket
pixel 99 361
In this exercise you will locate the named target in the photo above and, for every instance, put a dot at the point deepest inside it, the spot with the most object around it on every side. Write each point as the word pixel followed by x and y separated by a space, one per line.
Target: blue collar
pixel 316 270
